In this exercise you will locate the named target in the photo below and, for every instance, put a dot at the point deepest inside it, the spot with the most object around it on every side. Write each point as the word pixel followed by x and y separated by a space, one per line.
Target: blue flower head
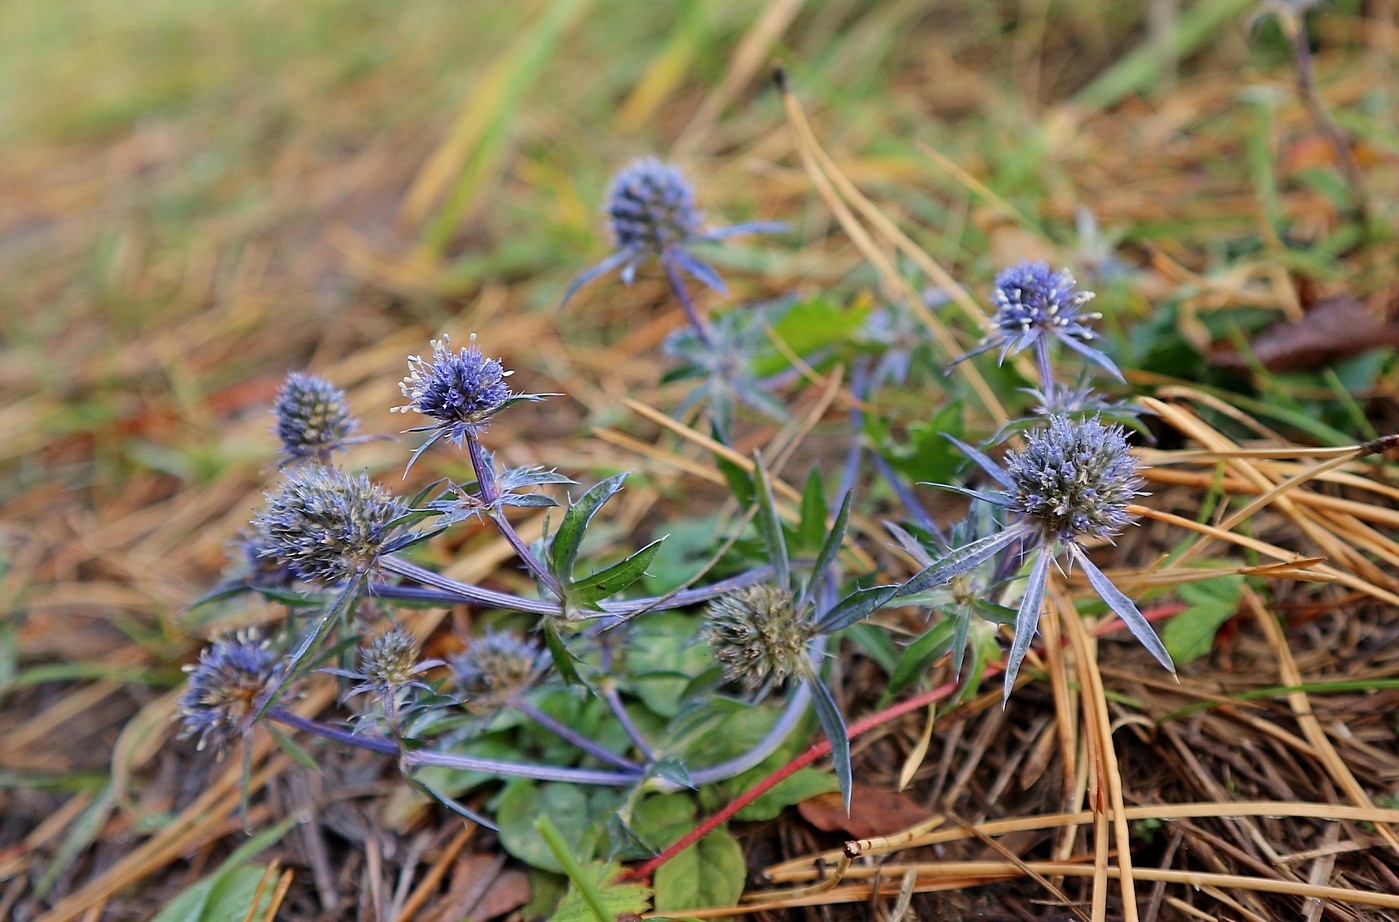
pixel 494 668
pixel 1074 479
pixel 759 635
pixel 651 207
pixel 327 525
pixel 313 418
pixel 225 687
pixel 461 390
pixel 389 671
pixel 1033 304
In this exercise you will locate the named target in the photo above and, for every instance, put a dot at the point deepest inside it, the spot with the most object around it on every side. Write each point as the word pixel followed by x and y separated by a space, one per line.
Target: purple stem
pixel 677 285
pixel 570 736
pixel 485 477
pixel 424 757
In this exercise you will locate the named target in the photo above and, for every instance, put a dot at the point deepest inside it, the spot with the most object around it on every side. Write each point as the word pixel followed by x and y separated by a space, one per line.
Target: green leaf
pixel 708 873
pixel 661 820
pixel 662 660
pixel 740 482
pixel 811 325
pixel 615 898
pixel 770 526
pixel 803 784
pixel 563 551
pixel 918 656
pixel 564 660
pixel 830 547
pixel 301 659
pixel 523 801
pixel 1190 634
pixel 293 749
pixel 812 527
pixel 227 894
pixel 588 592
pixel 927 455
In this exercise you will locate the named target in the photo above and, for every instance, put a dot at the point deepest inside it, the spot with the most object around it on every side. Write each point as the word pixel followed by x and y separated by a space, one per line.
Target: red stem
pixel 824 747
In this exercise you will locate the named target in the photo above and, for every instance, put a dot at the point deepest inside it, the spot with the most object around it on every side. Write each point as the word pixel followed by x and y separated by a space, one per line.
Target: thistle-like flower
pixel 1074 479
pixel 461 390
pixel 721 360
pixel 313 418
pixel 327 525
pixel 1033 304
pixel 388 671
pixel 225 687
pixel 759 634
pixel 651 206
pixel 495 668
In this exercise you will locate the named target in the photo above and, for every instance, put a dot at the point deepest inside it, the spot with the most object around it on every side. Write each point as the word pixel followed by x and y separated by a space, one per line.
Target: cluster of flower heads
pixel 494 668
pixel 1074 479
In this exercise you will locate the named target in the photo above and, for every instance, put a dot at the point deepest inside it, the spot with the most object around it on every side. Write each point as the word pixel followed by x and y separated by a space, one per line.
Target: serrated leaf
pixel 616 898
pixel 1190 634
pixel 563 551
pixel 770 526
pixel 709 873
pixel 857 606
pixel 605 583
pixel 833 725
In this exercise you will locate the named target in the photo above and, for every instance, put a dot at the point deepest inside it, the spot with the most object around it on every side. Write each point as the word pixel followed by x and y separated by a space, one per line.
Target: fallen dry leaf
pixel 1331 329
pixel 873 812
